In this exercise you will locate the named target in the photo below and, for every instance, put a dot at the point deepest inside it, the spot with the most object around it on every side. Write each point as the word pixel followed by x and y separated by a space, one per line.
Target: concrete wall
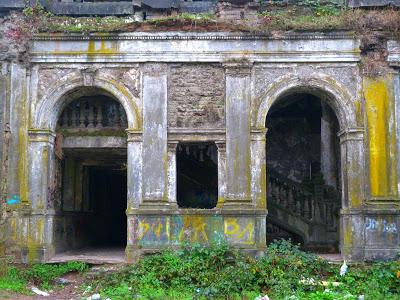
pixel 231 81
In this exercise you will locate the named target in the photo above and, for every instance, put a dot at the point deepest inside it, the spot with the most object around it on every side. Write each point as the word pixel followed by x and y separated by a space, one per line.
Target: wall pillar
pixel 39 240
pixel 238 103
pixel 134 169
pixel 396 84
pixel 172 145
pixel 221 145
pixel 155 153
pixel 353 193
pixel 328 156
pixel 258 168
pixel 18 123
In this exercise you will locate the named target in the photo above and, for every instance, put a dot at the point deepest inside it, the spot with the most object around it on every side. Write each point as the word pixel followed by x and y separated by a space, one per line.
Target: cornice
pixel 191 36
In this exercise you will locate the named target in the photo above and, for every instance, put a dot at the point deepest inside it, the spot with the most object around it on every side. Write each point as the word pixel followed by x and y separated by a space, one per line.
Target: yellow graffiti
pixel 232 228
pixel 142 229
pixel 157 229
pixel 196 227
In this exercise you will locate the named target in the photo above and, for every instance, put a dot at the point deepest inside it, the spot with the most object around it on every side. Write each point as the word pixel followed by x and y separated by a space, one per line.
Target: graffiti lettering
pixel 384 226
pixel 232 228
pixel 142 229
pixel 194 229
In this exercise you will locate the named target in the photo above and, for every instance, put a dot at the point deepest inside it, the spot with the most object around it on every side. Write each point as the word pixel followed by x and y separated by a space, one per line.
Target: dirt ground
pixel 61 292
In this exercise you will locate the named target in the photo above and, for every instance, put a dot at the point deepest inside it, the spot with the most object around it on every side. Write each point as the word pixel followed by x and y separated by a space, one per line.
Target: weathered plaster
pixel 248 74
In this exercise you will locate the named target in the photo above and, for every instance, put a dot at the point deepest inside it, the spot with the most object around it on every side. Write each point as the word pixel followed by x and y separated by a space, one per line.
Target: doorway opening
pixel 303 164
pixel 197 175
pixel 92 153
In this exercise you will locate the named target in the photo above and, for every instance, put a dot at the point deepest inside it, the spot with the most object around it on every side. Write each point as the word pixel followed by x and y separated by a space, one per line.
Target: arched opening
pixel 303 172
pixel 91 155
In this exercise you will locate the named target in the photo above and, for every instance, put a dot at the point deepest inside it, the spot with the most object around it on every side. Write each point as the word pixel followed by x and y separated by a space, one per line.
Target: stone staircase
pixel 310 211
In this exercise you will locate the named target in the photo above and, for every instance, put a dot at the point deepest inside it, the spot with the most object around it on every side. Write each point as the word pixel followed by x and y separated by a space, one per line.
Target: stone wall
pixel 196 96
pixel 183 91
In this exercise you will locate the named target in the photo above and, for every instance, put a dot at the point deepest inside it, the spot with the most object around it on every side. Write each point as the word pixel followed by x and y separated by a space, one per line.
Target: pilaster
pixel 172 145
pixel 155 153
pixel 258 168
pixel 221 145
pixel 238 103
pixel 134 168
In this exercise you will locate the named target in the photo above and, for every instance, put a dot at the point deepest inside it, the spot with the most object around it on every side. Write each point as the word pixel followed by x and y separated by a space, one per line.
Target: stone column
pixel 396 83
pixel 40 228
pixel 221 145
pixel 353 193
pixel 155 154
pixel 328 157
pixel 17 176
pixel 134 169
pixel 258 168
pixel 238 98
pixel 172 145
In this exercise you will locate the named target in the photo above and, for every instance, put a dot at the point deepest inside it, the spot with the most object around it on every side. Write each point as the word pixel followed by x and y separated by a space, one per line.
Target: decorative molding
pixel 191 36
pixel 172 145
pixel 41 135
pixel 197 134
pixel 134 135
pixel 88 76
pixel 351 134
pixel 176 47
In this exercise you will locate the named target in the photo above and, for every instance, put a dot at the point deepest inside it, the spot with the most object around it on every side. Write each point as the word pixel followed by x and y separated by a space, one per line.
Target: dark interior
pixel 108 198
pixel 197 175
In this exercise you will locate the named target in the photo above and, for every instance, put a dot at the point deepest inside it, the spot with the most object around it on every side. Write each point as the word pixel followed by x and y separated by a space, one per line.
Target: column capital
pixel 41 135
pixel 172 145
pixel 258 134
pixel 221 145
pixel 134 135
pixel 351 134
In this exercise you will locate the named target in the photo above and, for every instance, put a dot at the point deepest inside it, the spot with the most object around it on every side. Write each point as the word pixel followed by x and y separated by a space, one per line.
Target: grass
pixel 41 275
pixel 220 272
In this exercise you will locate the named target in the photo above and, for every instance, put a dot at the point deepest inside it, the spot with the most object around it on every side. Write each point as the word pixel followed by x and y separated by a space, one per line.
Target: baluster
pixel 91 119
pixel 74 115
pixel 124 122
pixel 118 115
pixel 81 114
pixel 67 120
pixel 100 121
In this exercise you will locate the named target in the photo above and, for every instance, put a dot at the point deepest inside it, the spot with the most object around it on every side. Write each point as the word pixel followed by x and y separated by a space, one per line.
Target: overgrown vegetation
pixel 374 27
pixel 42 275
pixel 220 272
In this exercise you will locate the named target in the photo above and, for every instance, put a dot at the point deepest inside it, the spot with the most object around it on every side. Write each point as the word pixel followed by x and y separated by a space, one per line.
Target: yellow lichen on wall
pixel 379 110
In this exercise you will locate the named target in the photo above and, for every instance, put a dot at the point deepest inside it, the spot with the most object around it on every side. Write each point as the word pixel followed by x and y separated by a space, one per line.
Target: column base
pixel 37 254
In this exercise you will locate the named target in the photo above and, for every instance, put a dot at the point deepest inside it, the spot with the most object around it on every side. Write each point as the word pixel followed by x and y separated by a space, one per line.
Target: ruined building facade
pixel 148 140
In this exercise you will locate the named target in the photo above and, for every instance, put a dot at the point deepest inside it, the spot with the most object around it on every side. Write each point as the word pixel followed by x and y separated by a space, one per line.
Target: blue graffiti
pixel 13 200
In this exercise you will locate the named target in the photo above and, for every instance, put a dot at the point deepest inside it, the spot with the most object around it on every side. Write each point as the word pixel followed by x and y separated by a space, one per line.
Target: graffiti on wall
pixel 13 200
pixel 194 229
pixel 381 225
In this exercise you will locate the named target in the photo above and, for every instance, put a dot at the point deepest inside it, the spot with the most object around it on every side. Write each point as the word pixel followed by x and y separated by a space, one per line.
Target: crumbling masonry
pixel 150 140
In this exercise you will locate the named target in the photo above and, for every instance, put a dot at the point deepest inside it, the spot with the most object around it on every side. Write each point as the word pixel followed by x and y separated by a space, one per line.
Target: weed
pixel 220 272
pixel 42 275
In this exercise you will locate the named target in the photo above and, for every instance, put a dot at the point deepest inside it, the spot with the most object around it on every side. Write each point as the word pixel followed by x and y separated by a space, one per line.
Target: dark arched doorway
pixel 91 154
pixel 303 164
